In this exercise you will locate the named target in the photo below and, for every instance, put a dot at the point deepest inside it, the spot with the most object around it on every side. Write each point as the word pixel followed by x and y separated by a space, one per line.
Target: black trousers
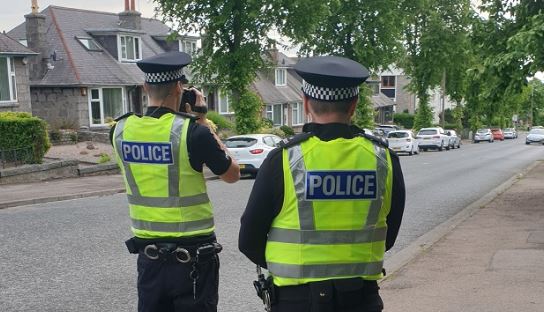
pixel 343 295
pixel 165 285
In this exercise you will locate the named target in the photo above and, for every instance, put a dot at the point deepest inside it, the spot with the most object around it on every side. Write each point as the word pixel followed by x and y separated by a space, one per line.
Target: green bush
pixel 276 131
pixel 22 131
pixel 405 120
pixel 220 121
pixel 287 130
pixel 104 158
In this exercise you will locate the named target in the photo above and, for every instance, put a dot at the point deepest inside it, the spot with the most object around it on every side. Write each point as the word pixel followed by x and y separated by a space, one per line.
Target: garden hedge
pixel 25 134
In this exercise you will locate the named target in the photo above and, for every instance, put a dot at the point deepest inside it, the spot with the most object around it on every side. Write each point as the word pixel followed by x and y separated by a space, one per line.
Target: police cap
pixel 164 67
pixel 331 78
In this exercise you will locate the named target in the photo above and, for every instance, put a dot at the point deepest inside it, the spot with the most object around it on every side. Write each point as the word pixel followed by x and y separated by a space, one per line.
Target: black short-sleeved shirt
pixel 201 145
pixel 266 199
pixel 203 148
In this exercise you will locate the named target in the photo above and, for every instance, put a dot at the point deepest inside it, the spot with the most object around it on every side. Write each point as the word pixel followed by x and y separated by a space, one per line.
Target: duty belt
pixel 181 254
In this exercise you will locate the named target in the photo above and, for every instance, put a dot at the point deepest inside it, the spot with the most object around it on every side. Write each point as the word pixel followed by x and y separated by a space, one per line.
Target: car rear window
pixel 537 131
pixel 495 130
pixel 397 135
pixel 482 130
pixel 427 132
pixel 240 142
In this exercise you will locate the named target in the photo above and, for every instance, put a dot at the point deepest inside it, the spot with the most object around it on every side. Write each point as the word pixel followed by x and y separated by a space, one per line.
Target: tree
pixel 368 32
pixel 234 36
pixel 436 40
pixel 248 108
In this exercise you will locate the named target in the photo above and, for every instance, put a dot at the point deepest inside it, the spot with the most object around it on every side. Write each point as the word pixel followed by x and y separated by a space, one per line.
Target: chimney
pixel 37 42
pixel 130 18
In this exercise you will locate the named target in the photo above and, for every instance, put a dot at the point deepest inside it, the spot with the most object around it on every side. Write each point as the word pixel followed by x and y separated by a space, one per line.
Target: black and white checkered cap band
pixel 329 94
pixel 163 77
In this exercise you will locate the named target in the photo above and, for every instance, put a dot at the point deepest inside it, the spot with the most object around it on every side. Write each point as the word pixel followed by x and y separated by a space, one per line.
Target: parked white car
pixel 403 141
pixel 455 140
pixel 536 135
pixel 433 138
pixel 250 150
pixel 483 134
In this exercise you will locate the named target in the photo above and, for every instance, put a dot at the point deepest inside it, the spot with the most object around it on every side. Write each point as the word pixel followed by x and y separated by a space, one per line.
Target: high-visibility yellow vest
pixel 166 196
pixel 332 223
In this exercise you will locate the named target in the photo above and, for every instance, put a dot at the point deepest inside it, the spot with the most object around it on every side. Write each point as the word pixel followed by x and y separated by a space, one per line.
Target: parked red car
pixel 497 134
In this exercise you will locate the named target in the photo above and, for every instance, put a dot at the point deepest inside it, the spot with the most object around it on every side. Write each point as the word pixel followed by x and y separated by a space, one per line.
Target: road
pixel 69 256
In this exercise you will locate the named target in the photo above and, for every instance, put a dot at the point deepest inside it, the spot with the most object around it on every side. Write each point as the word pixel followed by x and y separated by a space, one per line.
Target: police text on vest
pixel 147 152
pixel 341 185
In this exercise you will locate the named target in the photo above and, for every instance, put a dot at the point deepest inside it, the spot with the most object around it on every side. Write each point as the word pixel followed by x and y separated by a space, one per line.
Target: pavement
pixel 488 257
pixel 12 195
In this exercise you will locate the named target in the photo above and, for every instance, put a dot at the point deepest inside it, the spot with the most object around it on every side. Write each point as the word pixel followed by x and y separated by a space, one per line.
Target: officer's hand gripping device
pixel 265 289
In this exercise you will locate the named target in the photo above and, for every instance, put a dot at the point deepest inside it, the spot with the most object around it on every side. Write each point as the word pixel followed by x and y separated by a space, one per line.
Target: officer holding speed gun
pixel 161 155
pixel 326 205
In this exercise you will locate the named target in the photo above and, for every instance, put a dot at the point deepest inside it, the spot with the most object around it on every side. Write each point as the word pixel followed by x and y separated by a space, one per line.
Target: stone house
pixel 85 74
pixel 14 82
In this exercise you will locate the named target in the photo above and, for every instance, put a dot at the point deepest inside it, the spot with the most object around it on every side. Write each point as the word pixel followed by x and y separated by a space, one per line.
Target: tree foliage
pixel 234 36
pixel 364 114
pixel 248 109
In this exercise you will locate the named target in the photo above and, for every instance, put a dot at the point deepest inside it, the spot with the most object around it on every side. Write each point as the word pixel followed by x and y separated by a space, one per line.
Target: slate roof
pixel 381 100
pixel 77 66
pixel 272 94
pixel 11 46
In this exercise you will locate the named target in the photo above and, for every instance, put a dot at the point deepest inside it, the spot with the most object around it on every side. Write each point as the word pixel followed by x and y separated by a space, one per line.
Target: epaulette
pixel 375 139
pixel 124 116
pixel 186 115
pixel 296 139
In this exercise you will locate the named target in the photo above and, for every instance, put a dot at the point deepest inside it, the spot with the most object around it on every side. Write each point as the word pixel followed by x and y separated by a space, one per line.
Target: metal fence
pixel 16 156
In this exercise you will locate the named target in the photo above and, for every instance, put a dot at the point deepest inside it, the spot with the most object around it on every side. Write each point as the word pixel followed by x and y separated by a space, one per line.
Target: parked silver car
pixel 483 134
pixel 510 133
pixel 455 140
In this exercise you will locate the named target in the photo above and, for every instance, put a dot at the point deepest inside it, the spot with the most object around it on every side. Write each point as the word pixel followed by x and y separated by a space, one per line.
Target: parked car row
pixel 492 134
pixel 404 141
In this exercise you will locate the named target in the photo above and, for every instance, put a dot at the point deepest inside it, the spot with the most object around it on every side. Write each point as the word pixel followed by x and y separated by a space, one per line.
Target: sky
pixel 14 14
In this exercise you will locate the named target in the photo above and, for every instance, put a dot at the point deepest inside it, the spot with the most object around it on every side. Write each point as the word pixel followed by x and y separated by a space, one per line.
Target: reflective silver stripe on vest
pixel 119 129
pixel 173 169
pixel 298 171
pixel 325 270
pixel 382 168
pixel 168 202
pixel 327 237
pixel 189 226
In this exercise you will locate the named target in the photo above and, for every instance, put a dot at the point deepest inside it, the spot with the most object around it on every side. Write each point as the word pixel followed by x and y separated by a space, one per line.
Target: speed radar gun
pixel 265 289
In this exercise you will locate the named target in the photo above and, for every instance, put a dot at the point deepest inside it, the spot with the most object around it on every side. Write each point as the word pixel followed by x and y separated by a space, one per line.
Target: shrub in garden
pixel 24 133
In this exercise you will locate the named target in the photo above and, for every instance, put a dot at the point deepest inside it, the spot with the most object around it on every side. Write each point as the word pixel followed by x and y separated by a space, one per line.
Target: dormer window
pixel 281 77
pixel 88 43
pixel 130 48
pixel 188 46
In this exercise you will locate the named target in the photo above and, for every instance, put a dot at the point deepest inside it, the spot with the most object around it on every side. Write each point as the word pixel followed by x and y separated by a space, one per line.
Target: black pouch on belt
pixel 321 296
pixel 132 246
pixel 355 292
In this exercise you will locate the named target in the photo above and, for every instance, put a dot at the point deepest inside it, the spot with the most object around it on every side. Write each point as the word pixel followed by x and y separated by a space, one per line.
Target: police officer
pixel 328 203
pixel 161 155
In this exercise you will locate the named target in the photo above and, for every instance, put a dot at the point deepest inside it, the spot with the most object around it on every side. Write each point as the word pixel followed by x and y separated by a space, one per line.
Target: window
pixel 130 48
pixel 281 77
pixel 298 116
pixel 105 104
pixel 269 141
pixel 23 42
pixel 275 114
pixel 375 87
pixel 188 46
pixel 8 86
pixel 89 43
pixel 224 102
pixel 388 81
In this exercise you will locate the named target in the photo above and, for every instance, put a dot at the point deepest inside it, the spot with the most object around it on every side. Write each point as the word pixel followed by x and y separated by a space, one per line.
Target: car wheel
pixel 426 149
pixel 527 143
pixel 441 148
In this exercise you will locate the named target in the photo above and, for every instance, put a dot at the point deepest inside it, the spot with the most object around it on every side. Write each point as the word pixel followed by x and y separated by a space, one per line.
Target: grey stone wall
pixel 60 105
pixel 23 103
pixel 40 172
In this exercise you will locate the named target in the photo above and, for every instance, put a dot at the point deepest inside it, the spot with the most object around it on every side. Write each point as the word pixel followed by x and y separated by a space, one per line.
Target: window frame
pixel 276 81
pixel 383 85
pixel 100 100
pixel 182 43
pixel 222 94
pixel 80 39
pixel 300 110
pixel 137 53
pixel 272 112
pixel 12 79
